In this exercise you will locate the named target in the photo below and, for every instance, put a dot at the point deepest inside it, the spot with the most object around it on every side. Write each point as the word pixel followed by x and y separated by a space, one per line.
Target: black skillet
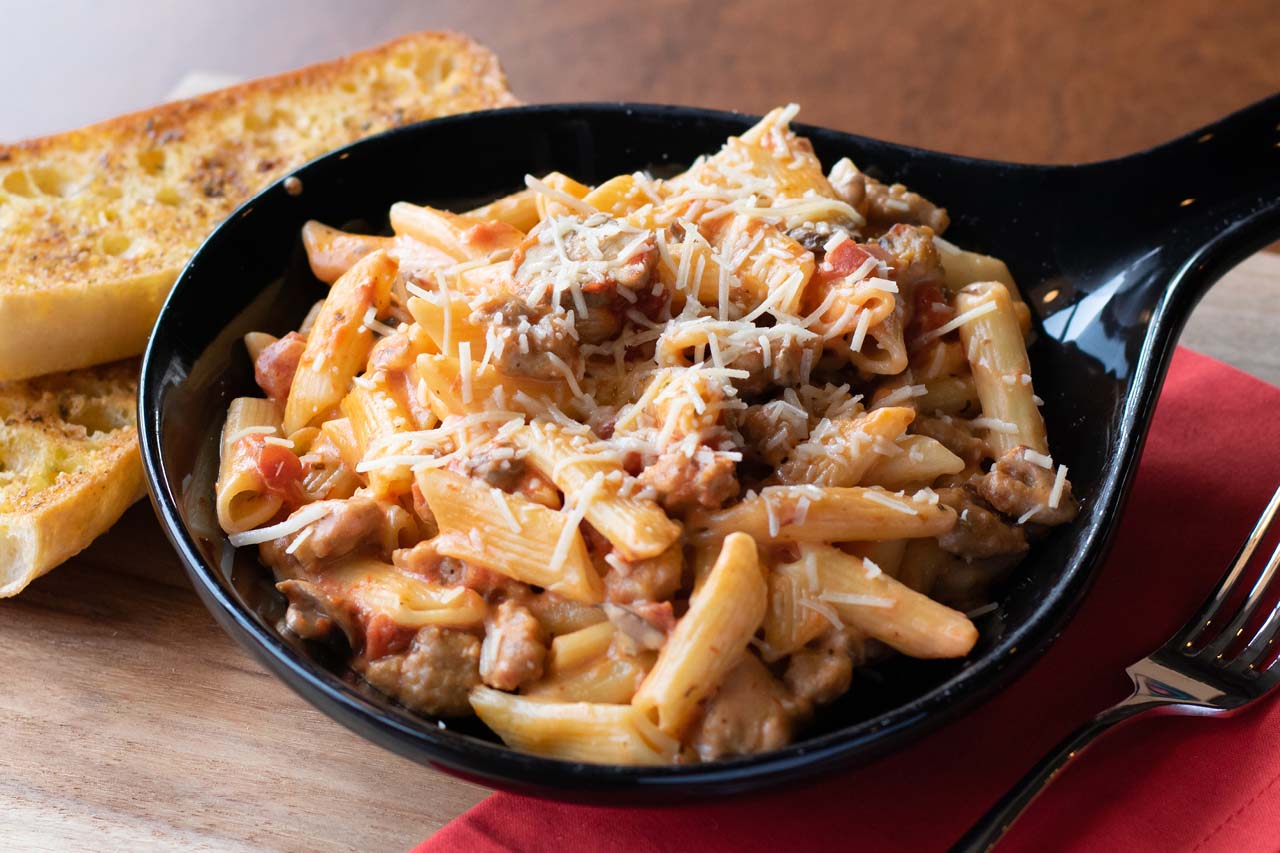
pixel 1111 257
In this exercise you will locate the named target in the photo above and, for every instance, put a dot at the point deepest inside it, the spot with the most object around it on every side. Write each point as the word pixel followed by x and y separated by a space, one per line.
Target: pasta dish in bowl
pixel 645 472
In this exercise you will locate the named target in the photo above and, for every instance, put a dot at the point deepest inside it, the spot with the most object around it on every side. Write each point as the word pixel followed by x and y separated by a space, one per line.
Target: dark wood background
pixel 129 720
pixel 1044 81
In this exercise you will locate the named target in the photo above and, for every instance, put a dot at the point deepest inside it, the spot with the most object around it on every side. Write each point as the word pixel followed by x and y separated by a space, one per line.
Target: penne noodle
pixel 339 431
pixel 446 332
pixel 559 615
pixel 448 392
pixel 790 623
pixel 842 451
pixel 923 562
pixel 576 649
pixel 461 237
pixel 775 269
pixel 998 358
pixel 533 553
pixel 709 640
pixel 243 501
pixel 617 196
pixel 950 395
pixel 884 350
pixel 256 342
pixel 339 344
pixel 887 556
pixel 332 252
pixel 588 732
pixel 373 414
pixel 887 610
pixel 406 599
pixel 964 268
pixel 550 205
pixel 816 514
pixel 638 528
pixel 938 359
pixel 612 679
pixel 922 461
pixel 518 209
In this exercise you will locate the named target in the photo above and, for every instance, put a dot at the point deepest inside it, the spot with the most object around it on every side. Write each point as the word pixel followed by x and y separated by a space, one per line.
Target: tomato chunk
pixel 382 636
pixel 932 310
pixel 844 259
pixel 280 469
pixel 276 365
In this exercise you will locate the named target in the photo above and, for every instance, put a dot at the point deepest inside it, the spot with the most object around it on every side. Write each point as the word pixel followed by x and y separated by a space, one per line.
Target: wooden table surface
pixel 128 720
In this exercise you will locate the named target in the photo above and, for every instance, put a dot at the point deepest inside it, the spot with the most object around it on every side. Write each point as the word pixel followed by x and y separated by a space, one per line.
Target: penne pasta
pixel 887 610
pixel 839 452
pixel 407 600
pixel 638 528
pixel 588 732
pixel 617 196
pixel 256 342
pixel 950 395
pixel 544 549
pixel 332 252
pixel 883 351
pixel 998 357
pixel 243 498
pixel 451 390
pixel 447 323
pixel 578 648
pixel 461 237
pixel 816 514
pixel 923 460
pixel 635 472
pixel 519 210
pixel 790 622
pixel 554 194
pixel 885 556
pixel 709 640
pixel 339 343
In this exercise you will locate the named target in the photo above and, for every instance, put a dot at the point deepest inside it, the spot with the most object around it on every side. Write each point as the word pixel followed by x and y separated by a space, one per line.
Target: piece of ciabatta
pixel 68 465
pixel 96 223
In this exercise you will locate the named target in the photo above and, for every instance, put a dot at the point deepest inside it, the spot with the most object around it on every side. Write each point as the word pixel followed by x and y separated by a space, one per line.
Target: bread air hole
pixel 95 416
pixel 258 122
pixel 42 180
pixel 151 161
pixel 116 243
pixel 19 183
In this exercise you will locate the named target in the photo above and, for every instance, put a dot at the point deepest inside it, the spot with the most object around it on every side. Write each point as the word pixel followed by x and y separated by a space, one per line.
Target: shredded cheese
pixel 878 497
pixel 504 509
pixel 958 321
pixel 1059 481
pixel 308 514
pixel 858 600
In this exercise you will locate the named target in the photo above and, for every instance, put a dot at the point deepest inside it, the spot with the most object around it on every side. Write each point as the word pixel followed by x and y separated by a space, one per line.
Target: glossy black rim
pixel 496 765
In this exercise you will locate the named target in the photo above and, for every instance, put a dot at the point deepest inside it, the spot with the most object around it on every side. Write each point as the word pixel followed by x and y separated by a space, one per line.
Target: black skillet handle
pixel 1204 201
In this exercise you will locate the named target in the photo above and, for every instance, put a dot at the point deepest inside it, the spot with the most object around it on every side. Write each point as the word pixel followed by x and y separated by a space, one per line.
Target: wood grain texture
pixel 128 720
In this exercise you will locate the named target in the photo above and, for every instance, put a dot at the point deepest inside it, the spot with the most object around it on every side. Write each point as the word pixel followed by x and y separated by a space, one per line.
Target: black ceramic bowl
pixel 1110 256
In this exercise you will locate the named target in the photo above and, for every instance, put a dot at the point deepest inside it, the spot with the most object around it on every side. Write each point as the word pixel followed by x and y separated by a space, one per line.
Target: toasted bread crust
pixel 99 221
pixel 69 466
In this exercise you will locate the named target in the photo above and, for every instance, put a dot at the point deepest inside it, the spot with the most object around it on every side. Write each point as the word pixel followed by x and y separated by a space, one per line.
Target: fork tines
pixel 1252 658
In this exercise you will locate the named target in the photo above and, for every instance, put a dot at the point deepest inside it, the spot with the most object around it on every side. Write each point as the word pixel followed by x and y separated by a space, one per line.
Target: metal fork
pixel 1178 678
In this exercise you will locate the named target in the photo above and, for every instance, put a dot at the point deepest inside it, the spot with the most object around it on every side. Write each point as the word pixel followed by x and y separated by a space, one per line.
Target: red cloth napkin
pixel 1171 783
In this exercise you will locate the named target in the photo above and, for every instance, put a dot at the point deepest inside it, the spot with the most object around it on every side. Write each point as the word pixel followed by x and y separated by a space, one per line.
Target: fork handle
pixel 996 822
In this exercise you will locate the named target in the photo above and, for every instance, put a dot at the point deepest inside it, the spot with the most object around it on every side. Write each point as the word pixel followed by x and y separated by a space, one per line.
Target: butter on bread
pixel 98 222
pixel 69 465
